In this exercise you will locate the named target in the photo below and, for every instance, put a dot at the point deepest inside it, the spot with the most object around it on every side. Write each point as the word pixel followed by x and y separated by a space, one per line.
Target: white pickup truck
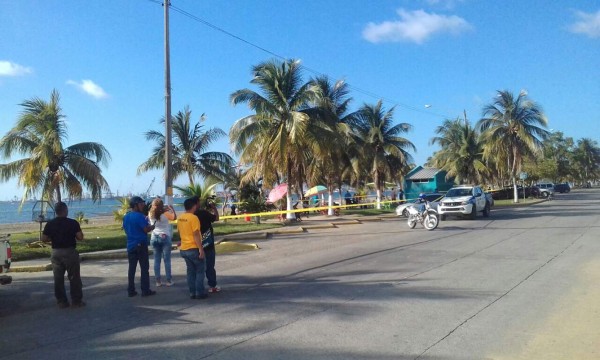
pixel 5 258
pixel 464 200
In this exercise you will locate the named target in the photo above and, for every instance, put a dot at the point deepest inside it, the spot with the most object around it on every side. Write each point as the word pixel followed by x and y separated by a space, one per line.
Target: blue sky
pixel 106 59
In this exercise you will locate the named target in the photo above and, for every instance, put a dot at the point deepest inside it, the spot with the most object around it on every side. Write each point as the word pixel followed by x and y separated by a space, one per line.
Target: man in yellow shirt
pixel 191 249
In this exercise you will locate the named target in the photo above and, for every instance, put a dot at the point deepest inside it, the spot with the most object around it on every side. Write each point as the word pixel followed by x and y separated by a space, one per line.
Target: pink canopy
pixel 277 193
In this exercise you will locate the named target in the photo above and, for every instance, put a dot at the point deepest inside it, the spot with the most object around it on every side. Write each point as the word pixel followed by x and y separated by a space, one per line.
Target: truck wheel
pixel 473 213
pixel 486 210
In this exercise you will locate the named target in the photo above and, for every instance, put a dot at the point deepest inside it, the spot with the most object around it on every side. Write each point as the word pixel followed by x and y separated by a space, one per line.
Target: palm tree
pixel 274 138
pixel 461 153
pixel 51 167
pixel 330 126
pixel 587 159
pixel 203 192
pixel 190 145
pixel 379 138
pixel 512 128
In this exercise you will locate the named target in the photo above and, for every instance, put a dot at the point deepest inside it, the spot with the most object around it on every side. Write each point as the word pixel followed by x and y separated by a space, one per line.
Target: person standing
pixel 161 239
pixel 233 207
pixel 64 233
pixel 191 250
pixel 348 198
pixel 208 214
pixel 136 227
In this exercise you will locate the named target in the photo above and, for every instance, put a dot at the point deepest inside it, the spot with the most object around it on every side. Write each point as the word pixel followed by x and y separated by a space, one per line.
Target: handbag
pixel 207 238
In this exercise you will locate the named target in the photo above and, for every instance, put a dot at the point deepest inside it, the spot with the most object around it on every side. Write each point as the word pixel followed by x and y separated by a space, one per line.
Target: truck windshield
pixel 458 192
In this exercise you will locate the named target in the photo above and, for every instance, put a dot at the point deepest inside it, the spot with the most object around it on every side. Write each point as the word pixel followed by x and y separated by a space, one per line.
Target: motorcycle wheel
pixel 430 222
pixel 412 222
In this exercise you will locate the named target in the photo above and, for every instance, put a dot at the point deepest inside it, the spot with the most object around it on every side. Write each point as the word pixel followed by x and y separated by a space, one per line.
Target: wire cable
pixel 308 69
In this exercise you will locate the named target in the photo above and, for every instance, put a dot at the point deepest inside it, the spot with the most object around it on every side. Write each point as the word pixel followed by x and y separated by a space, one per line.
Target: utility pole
pixel 168 147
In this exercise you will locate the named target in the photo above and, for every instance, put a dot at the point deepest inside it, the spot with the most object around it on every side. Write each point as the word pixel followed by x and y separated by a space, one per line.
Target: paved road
pixel 522 284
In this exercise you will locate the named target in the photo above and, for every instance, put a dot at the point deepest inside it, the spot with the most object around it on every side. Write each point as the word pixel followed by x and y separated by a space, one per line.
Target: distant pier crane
pixel 147 193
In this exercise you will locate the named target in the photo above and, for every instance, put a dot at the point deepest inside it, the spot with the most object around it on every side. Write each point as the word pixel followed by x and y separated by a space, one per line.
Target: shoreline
pixel 32 226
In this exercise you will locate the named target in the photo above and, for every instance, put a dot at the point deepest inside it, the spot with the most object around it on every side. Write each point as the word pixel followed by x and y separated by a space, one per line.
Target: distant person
pixel 233 207
pixel 348 198
pixel 136 227
pixel 64 233
pixel 400 194
pixel 207 213
pixel 191 249
pixel 394 195
pixel 161 239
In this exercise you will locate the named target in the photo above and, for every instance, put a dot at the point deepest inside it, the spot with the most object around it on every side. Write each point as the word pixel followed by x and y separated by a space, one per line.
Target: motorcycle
pixel 424 214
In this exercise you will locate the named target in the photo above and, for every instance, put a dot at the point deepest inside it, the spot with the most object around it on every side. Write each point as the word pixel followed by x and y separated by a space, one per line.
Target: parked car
pixel 433 199
pixel 546 189
pixel 464 200
pixel 507 193
pixel 562 188
pixel 5 259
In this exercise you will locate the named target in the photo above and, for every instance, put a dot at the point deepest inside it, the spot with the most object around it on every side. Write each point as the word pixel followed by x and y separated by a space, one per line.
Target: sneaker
pixel 158 283
pixel 149 293
pixel 169 283
pixel 78 304
pixel 215 289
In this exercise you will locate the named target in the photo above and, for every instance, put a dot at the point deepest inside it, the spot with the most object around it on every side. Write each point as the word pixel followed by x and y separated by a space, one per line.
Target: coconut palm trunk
pixel 330 211
pixel 289 215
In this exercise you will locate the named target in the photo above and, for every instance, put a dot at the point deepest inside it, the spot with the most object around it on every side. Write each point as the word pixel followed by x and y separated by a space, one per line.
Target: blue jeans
pixel 211 274
pixel 138 254
pixel 162 250
pixel 195 271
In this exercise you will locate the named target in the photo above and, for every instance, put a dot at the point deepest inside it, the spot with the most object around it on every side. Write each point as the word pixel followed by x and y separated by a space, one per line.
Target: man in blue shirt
pixel 136 226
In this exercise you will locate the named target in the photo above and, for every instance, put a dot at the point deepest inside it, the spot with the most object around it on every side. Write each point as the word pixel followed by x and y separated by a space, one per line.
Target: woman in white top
pixel 161 238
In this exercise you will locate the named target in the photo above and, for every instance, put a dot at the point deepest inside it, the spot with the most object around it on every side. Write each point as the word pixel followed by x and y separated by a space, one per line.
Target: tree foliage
pixel 50 167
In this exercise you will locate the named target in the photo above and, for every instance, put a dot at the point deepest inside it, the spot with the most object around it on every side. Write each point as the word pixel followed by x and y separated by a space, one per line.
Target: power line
pixel 318 73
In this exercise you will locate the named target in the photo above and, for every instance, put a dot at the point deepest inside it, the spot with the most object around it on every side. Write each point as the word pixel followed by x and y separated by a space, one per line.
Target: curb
pixel 31 268
pixel 243 236
pixel 291 230
pixel 319 226
pixel 347 222
pixel 371 219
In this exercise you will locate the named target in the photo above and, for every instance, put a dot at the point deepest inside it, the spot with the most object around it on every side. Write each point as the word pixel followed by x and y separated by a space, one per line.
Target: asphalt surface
pixel 522 284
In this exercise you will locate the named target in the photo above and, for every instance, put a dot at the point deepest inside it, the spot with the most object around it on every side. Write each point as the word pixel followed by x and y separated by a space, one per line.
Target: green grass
pixel 111 237
pixel 510 202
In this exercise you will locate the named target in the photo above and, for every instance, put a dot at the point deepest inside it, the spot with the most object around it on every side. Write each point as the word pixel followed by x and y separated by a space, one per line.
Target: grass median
pixel 26 246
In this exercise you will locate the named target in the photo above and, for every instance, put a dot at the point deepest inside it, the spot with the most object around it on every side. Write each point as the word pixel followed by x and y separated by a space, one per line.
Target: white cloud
pixel 588 24
pixel 414 26
pixel 8 68
pixel 89 87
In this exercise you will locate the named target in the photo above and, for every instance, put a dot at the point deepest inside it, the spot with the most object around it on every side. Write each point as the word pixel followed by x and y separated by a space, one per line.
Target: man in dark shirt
pixel 207 213
pixel 63 233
